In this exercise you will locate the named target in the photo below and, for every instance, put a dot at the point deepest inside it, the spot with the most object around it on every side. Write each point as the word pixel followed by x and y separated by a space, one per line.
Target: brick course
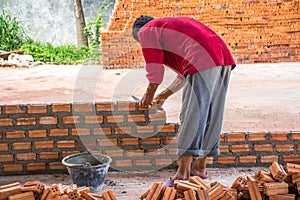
pixel 133 142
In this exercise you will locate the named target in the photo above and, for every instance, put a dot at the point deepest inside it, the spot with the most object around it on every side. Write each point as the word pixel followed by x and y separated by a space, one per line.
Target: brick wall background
pixel 256 31
pixel 35 138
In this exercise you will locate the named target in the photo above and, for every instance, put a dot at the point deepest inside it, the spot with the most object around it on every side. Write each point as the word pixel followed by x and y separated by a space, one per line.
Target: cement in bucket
pixel 88 169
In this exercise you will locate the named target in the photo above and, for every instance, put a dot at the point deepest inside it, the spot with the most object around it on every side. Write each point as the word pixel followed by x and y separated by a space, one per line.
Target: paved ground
pixel 261 97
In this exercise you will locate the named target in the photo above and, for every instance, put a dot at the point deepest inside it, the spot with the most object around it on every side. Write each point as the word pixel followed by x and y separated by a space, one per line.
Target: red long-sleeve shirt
pixel 183 44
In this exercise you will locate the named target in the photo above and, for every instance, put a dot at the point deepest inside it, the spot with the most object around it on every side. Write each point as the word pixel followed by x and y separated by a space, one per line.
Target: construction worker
pixel 203 63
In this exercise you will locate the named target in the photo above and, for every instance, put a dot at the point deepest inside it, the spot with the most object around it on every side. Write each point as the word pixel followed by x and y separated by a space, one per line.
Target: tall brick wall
pixel 256 31
pixel 35 138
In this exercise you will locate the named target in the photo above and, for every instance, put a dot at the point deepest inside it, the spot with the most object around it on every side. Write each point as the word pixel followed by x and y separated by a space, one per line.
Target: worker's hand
pixel 146 101
pixel 160 99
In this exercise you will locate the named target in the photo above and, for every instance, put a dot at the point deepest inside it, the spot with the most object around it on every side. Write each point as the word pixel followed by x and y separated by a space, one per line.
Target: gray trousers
pixel 201 116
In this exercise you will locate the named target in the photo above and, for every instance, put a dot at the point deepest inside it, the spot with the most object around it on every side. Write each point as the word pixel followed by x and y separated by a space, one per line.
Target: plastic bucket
pixel 88 169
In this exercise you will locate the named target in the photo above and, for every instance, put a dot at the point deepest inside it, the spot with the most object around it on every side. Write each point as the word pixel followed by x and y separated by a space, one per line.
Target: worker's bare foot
pixel 183 171
pixel 198 167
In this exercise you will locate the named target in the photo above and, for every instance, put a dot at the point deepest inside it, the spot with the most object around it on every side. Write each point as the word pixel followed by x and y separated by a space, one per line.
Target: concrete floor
pixel 261 97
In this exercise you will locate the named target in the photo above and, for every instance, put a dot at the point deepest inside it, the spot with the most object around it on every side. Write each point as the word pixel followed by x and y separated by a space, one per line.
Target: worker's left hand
pixel 160 99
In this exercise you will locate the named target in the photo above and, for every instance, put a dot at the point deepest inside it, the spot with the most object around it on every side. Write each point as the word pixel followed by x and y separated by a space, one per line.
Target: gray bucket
pixel 88 169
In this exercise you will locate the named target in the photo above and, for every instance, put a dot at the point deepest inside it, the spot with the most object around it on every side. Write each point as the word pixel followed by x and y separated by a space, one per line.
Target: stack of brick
pixel 280 183
pixel 256 31
pixel 36 190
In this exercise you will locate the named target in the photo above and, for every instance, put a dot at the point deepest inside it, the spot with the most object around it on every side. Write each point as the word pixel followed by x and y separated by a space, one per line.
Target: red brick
pixel 134 153
pixel 114 153
pixel 48 155
pixel 107 142
pixel 80 131
pixel 168 128
pixel 247 159
pixel 3 147
pixel 86 143
pixel 56 166
pixel 156 152
pixel 236 137
pixel 295 135
pixel 263 147
pixel 93 119
pixel 269 159
pixel 26 156
pixel 59 132
pixel 71 120
pixel 158 116
pixel 143 163
pixel 37 133
pixel 163 161
pixel 126 106
pixel 43 145
pixel 224 148
pixel 15 134
pixel 129 141
pixel 210 160
pixel 21 146
pixel 104 106
pixel 61 108
pixel 291 158
pixel 33 109
pixel 83 107
pixel 122 163
pixel 6 122
pixel 259 136
pixel 150 141
pixel 6 158
pixel 67 153
pixel 240 148
pixel 13 168
pixel 115 119
pixel 26 121
pixel 228 160
pixel 65 144
pixel 144 129
pixel 279 136
pixel 222 137
pixel 123 130
pixel 170 140
pixel 102 131
pixel 172 151
pixel 14 109
pixel 284 147
pixel 35 166
pixel 48 120
pixel 136 118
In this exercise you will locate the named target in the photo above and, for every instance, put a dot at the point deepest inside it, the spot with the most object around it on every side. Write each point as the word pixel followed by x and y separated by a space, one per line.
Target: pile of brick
pixel 279 183
pixel 36 190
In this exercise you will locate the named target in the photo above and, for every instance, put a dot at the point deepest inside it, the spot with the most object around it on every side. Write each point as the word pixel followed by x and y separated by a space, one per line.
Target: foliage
pixel 92 30
pixel 65 54
pixel 12 35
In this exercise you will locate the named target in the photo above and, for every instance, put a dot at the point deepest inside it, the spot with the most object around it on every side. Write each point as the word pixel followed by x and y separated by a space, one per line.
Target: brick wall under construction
pixel 35 138
pixel 256 31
